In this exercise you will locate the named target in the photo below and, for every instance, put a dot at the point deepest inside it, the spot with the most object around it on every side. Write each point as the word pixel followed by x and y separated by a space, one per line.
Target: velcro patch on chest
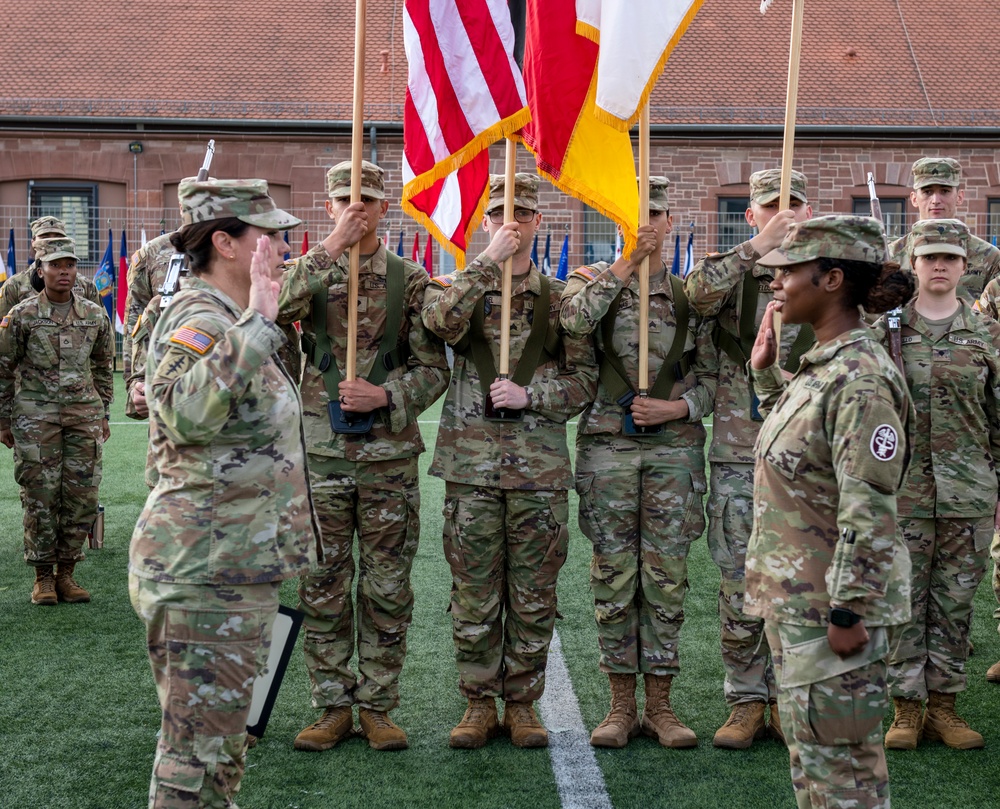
pixel 378 282
pixel 967 341
pixel 885 442
pixel 910 339
pixel 192 338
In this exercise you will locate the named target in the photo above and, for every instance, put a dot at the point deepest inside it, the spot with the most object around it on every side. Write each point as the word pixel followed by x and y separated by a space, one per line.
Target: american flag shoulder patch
pixel 442 280
pixel 5 322
pixel 192 338
pixel 586 272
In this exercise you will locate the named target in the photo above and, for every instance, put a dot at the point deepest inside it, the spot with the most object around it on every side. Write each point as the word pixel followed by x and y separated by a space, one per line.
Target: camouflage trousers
pixel 831 712
pixel 746 658
pixel 641 506
pixel 380 503
pixel 995 553
pixel 505 548
pixel 949 558
pixel 207 644
pixel 58 468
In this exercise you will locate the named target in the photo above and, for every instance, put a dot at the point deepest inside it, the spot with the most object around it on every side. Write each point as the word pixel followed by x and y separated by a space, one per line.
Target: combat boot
pixel 66 588
pixel 774 724
pixel 520 722
pixel 906 728
pixel 382 733
pixel 744 725
pixel 44 591
pixel 993 673
pixel 622 722
pixel 658 718
pixel 478 726
pixel 333 726
pixel 941 723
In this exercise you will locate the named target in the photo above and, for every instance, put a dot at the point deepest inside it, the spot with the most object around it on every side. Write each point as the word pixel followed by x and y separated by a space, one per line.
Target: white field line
pixel 578 778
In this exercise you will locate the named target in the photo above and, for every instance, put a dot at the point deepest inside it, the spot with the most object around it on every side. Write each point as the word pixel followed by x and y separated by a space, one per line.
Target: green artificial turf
pixel 79 716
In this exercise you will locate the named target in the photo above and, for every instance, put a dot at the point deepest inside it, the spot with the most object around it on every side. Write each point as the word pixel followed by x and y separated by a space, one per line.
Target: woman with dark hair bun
pixel 826 567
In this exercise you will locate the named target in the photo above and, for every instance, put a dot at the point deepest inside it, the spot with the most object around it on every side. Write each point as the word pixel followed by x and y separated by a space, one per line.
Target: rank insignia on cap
pixel 885 442
pixel 193 339
pixel 5 322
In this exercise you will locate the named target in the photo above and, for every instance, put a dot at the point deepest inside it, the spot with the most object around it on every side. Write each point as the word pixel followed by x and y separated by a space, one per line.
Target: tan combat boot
pixel 382 733
pixel 993 673
pixel 44 591
pixel 905 730
pixel 479 725
pixel 622 722
pixel 66 588
pixel 744 725
pixel 658 718
pixel 333 726
pixel 774 724
pixel 941 723
pixel 520 722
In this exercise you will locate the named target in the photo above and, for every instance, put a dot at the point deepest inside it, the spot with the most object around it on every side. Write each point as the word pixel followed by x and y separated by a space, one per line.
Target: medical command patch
pixel 193 339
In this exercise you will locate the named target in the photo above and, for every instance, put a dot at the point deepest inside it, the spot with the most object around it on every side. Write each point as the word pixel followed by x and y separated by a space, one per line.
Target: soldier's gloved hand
pixel 137 394
pixel 7 438
pixel 765 349
pixel 505 394
pixel 350 228
pixel 648 412
pixel 847 640
pixel 361 396
pixel 105 430
pixel 504 243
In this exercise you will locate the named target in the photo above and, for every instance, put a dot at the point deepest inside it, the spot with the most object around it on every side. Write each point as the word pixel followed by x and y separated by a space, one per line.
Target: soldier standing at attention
pixel 24 285
pixel 365 481
pixel 56 387
pixel 507 473
pixel 937 193
pixel 733 288
pixel 232 515
pixel 640 473
pixel 826 567
pixel 948 502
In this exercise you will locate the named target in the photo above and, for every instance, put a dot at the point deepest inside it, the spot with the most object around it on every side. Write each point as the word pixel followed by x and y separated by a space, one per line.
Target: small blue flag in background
pixel 564 260
pixel 104 279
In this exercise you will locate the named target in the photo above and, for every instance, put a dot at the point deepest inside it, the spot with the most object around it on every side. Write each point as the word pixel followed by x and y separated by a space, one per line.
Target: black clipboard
pixel 265 688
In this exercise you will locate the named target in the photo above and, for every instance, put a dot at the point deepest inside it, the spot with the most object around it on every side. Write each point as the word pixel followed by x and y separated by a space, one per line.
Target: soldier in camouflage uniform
pixel 365 484
pixel 948 502
pixel 641 496
pixel 937 193
pixel 826 567
pixel 733 288
pixel 232 514
pixel 24 285
pixel 506 504
pixel 56 386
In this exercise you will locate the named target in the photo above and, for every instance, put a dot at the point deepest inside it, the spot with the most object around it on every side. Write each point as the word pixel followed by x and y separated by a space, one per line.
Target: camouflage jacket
pixel 411 388
pixel 232 504
pixel 983 266
pixel 62 372
pixel 830 456
pixel 955 443
pixel 18 288
pixel 526 454
pixel 147 270
pixel 989 301
pixel 715 290
pixel 589 293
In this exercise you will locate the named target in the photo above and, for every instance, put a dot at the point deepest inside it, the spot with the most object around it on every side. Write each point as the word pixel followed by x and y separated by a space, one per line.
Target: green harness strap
pixel 614 377
pixel 390 355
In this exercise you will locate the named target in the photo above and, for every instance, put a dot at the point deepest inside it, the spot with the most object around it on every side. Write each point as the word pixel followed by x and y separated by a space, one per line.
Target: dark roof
pixel 864 62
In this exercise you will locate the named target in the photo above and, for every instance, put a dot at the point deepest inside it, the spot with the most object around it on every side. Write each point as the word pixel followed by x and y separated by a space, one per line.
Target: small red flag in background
pixel 305 242
pixel 429 256
pixel 415 255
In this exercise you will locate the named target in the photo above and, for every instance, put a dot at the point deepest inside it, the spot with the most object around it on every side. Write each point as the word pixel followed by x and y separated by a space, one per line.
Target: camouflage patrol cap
pixel 658 187
pixel 939 236
pixel 852 238
pixel 937 171
pixel 47 224
pixel 51 249
pixel 765 186
pixel 338 180
pixel 525 191
pixel 246 200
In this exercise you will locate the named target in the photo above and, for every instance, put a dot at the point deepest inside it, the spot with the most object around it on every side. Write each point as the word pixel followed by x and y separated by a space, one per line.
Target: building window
pixel 893 211
pixel 993 220
pixel 599 235
pixel 733 227
pixel 76 205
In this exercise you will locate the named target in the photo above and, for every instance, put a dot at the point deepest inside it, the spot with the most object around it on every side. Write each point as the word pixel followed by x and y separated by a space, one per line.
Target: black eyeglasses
pixel 522 215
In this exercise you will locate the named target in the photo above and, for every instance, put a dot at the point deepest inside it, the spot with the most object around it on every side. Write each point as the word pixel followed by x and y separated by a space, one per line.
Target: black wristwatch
pixel 840 616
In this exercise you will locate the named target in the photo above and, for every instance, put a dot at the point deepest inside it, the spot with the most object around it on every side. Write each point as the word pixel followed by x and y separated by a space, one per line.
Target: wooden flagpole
pixel 788 146
pixel 510 167
pixel 357 142
pixel 644 267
